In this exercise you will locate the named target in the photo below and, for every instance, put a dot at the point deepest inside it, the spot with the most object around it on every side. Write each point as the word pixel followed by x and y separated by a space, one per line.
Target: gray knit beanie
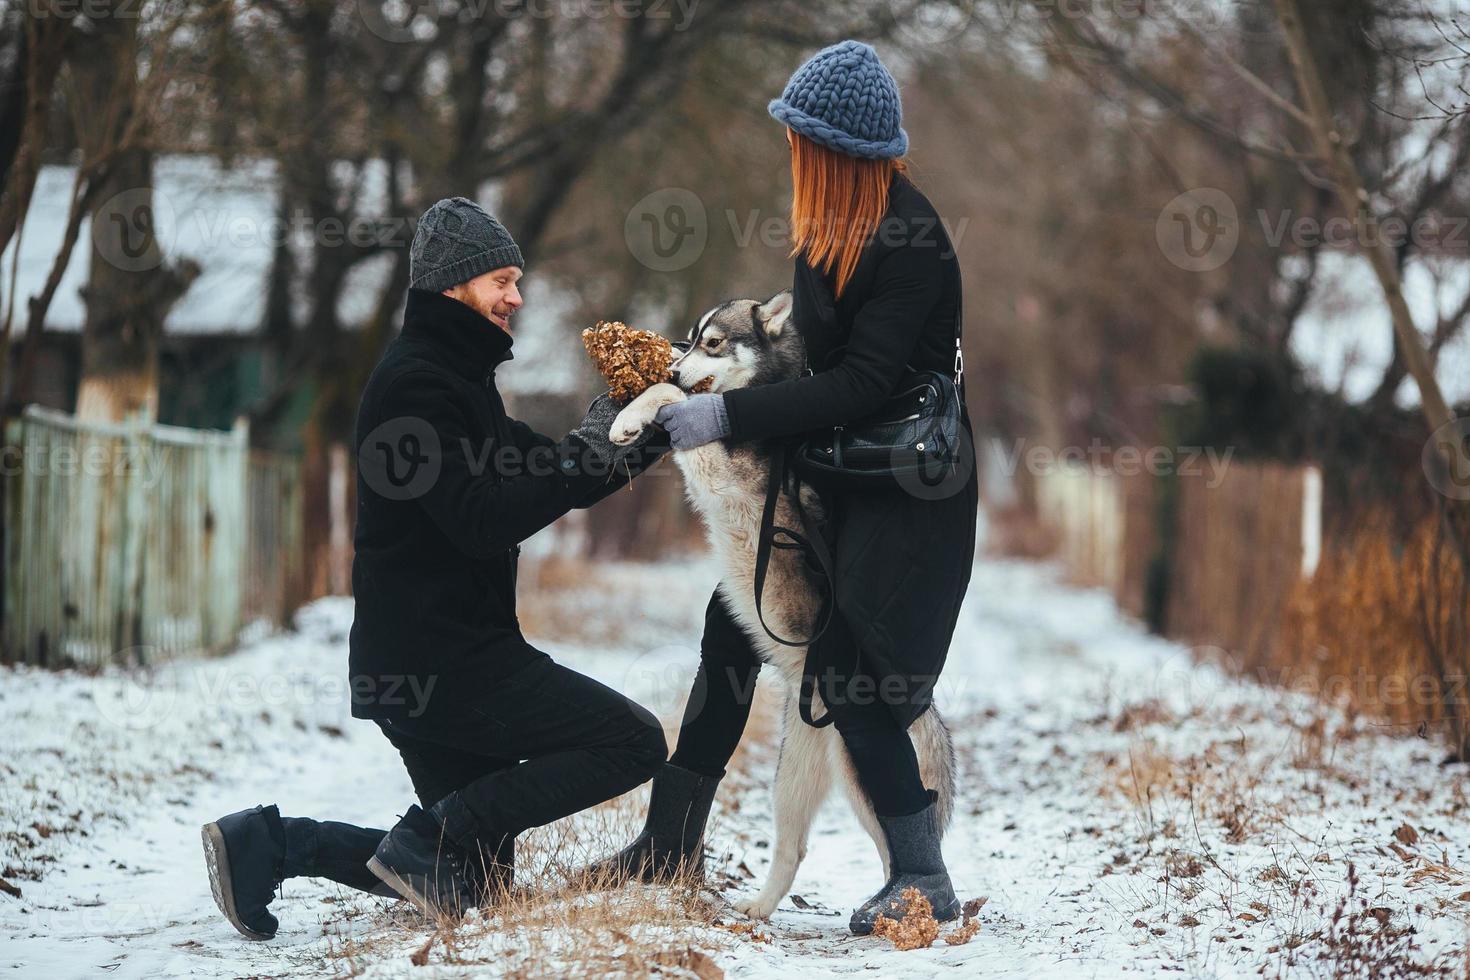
pixel 456 240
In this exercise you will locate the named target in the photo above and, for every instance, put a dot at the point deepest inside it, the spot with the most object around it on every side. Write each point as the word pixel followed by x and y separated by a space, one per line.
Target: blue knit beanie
pixel 844 99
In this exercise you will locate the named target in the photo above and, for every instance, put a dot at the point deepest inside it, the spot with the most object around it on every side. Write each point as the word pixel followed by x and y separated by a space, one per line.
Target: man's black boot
pixel 914 861
pixel 672 842
pixel 423 865
pixel 489 857
pixel 245 855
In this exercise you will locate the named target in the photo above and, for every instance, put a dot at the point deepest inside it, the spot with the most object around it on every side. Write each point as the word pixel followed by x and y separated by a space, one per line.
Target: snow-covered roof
pixel 226 219
pixel 215 215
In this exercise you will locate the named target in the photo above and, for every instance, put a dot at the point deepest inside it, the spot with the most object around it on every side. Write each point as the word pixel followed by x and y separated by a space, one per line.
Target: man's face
pixel 493 295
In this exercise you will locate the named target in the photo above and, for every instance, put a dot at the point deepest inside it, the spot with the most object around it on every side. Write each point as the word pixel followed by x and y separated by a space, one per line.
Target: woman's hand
pixel 698 420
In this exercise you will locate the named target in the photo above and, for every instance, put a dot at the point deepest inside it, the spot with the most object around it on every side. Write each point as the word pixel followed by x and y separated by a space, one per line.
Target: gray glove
pixel 595 427
pixel 695 421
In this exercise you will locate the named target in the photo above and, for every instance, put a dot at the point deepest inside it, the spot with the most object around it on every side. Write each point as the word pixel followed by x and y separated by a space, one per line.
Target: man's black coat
pixel 448 485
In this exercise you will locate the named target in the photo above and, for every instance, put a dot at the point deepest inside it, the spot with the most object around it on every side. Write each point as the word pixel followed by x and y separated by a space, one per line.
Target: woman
pixel 876 290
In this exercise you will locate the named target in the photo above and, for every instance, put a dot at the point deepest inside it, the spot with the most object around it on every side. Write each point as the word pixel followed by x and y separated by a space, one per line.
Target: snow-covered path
pixel 1123 810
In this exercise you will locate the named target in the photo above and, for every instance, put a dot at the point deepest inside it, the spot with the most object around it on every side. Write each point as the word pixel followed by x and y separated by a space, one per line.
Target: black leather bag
pixel 915 435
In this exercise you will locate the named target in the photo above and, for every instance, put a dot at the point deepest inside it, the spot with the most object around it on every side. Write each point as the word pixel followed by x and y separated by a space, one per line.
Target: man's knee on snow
pixel 646 740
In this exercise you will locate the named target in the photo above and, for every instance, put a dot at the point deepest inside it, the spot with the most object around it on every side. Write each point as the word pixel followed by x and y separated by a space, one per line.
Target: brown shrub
pixel 1382 627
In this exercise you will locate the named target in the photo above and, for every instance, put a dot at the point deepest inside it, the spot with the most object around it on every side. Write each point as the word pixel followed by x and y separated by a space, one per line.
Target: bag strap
pixel 959 329
pixel 814 547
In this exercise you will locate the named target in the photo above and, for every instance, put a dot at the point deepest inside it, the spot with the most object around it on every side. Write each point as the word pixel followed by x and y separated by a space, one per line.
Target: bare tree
pixel 1226 87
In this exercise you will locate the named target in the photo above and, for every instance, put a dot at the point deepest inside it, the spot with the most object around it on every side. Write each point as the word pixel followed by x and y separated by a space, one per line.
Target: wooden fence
pixel 1089 515
pixel 1240 548
pixel 134 542
pixel 1237 544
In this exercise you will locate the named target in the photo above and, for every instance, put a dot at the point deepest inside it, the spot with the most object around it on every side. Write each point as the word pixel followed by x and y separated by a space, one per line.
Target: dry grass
pixel 1381 629
pixel 556 922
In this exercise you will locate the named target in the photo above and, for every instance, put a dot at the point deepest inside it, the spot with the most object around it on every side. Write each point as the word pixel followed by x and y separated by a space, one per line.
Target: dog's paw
pixel 759 907
pixel 641 411
pixel 629 425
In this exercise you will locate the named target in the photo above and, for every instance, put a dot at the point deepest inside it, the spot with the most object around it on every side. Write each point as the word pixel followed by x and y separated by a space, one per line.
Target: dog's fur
pixel 740 344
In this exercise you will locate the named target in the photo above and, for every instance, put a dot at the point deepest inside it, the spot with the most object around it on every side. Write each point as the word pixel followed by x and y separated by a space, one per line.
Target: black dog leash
pixel 813 547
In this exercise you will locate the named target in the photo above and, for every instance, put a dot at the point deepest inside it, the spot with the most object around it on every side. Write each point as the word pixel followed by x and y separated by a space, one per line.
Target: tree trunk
pixel 42 52
pixel 1356 204
pixel 130 285
pixel 1410 348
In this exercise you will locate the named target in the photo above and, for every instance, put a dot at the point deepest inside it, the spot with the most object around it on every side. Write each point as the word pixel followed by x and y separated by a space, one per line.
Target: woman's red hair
pixel 836 205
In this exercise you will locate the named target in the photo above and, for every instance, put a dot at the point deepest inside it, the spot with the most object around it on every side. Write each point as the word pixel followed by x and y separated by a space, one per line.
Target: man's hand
pixel 594 430
pixel 698 420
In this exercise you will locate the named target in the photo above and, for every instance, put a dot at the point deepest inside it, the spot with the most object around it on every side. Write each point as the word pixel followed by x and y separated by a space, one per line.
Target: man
pixel 496 737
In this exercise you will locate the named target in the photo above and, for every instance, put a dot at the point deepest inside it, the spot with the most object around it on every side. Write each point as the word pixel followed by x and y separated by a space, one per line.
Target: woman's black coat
pixel 902 560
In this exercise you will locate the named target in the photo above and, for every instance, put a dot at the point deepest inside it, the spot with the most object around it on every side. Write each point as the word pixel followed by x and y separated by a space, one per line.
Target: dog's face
pixel 741 344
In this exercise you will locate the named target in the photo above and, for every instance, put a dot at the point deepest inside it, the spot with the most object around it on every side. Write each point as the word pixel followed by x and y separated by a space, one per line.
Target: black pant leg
pixel 579 743
pixel 719 702
pixel 879 746
pixel 438 770
pixel 339 851
pixel 333 850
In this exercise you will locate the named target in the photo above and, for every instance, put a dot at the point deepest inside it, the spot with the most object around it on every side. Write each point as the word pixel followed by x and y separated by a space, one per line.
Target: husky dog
pixel 737 345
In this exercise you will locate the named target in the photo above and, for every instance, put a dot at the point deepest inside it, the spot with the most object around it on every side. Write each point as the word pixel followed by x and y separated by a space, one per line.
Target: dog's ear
pixel 775 313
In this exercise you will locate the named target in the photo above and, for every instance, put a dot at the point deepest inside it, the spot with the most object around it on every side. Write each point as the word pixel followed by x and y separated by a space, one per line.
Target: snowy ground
pixel 1123 810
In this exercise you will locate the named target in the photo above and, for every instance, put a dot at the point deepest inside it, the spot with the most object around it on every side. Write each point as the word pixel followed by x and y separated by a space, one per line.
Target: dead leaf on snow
pixel 692 961
pixel 916 930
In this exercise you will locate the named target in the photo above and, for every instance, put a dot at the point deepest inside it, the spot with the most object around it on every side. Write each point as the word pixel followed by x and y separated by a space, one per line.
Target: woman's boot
pixel 672 842
pixel 914 861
